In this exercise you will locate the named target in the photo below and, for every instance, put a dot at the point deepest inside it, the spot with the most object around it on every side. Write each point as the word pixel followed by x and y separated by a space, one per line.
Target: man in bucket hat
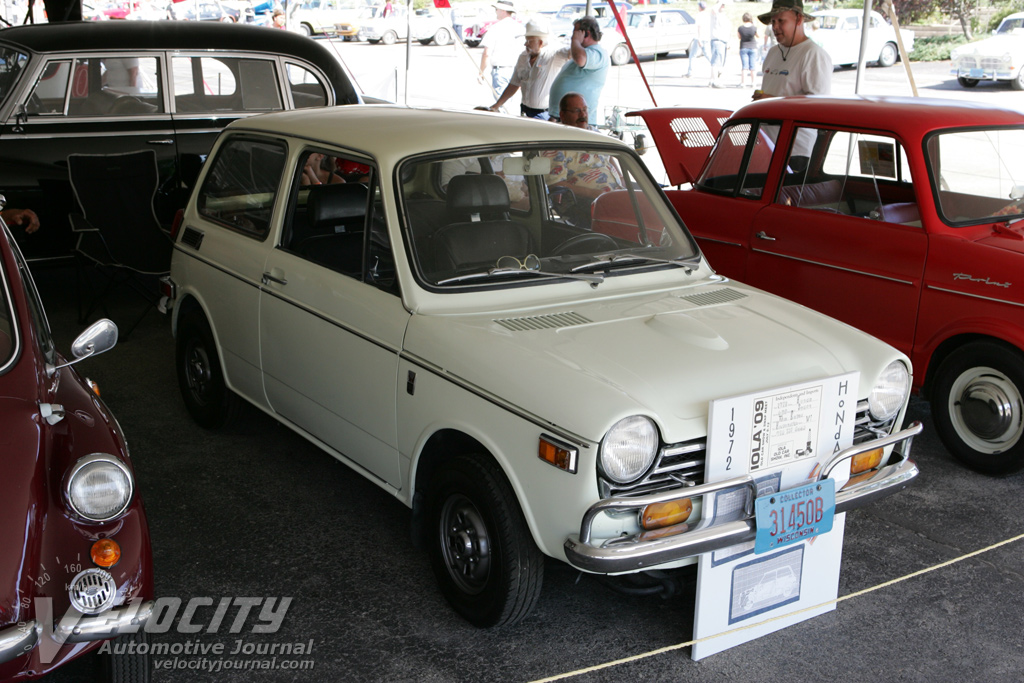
pixel 796 65
pixel 536 69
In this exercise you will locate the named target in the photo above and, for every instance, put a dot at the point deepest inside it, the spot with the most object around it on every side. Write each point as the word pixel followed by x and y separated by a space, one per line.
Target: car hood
pixel 22 497
pixel 996 45
pixel 584 367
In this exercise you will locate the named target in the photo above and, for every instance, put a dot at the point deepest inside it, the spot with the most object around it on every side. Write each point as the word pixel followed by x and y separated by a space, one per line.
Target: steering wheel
pixel 584 244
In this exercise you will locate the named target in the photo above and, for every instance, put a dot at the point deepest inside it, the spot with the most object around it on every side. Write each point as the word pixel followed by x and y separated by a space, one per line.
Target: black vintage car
pixel 110 87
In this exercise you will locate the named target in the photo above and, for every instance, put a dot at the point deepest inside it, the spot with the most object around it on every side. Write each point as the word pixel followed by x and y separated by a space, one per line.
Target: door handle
pixel 160 142
pixel 268 278
pixel 764 236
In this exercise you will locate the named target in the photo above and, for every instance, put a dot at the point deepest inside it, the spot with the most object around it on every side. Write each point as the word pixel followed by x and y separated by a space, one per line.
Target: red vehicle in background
pixel 902 217
pixel 76 567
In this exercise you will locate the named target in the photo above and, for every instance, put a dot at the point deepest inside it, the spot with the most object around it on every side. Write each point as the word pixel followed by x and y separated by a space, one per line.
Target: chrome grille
pixel 681 465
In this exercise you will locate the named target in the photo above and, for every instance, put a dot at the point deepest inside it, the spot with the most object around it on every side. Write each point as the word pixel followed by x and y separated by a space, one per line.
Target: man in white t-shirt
pixel 796 65
pixel 501 46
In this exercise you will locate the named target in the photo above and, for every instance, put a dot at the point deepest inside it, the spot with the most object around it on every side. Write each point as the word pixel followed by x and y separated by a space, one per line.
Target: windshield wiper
pixel 594 280
pixel 613 260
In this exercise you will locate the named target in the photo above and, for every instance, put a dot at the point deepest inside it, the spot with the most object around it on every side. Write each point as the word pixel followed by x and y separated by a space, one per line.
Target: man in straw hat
pixel 536 69
pixel 501 46
pixel 796 65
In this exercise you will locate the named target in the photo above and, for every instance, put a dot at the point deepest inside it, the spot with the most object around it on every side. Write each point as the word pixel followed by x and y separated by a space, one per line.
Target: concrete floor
pixel 256 511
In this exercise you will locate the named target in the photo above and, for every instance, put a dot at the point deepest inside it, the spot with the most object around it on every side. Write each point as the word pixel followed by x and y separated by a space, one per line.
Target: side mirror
pixel 98 338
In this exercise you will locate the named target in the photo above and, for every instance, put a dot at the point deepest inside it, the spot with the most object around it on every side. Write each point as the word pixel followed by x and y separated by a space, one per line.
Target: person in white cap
pixel 501 46
pixel 796 65
pixel 536 69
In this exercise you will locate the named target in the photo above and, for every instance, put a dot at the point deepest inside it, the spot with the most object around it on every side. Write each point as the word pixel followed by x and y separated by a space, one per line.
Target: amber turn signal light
pixel 560 455
pixel 863 462
pixel 92 385
pixel 105 552
pixel 658 515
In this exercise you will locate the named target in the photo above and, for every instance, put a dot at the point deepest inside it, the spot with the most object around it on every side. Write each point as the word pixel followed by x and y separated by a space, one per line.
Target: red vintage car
pixel 75 565
pixel 902 217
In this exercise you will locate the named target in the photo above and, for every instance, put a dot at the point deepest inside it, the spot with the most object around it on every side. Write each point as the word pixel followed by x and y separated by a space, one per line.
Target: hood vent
pixel 543 322
pixel 192 238
pixel 719 296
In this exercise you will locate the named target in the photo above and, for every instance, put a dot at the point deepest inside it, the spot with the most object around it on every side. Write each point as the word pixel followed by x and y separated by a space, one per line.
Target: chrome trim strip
pixel 104 134
pixel 832 266
pixel 974 296
pixel 18 640
pixel 110 624
pixel 719 241
pixel 632 554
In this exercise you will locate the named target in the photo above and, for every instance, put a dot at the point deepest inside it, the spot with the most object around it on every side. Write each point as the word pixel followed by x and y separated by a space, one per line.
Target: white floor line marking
pixel 855 594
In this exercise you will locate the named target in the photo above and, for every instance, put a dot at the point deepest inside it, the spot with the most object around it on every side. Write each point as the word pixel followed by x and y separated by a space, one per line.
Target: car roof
pixel 83 36
pixel 908 117
pixel 398 131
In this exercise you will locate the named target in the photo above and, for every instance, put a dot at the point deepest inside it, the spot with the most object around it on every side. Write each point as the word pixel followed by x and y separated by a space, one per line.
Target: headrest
pixel 477 194
pixel 330 205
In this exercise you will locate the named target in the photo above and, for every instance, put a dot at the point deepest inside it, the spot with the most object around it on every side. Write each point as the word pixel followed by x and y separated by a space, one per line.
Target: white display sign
pixel 781 437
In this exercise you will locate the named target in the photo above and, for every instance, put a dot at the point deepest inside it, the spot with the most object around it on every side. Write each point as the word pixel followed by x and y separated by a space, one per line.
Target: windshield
pixel 12 64
pixel 502 218
pixel 978 175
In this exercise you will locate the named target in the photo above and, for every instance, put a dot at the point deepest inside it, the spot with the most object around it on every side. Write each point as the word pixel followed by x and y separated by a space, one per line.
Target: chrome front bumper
pixel 23 638
pixel 636 553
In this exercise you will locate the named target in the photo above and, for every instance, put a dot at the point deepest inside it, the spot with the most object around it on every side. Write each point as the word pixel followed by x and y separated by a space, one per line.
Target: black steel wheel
pixel 482 553
pixel 978 403
pixel 200 377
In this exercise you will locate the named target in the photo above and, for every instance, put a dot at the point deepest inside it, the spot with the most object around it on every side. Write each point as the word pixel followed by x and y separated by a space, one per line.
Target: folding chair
pixel 118 233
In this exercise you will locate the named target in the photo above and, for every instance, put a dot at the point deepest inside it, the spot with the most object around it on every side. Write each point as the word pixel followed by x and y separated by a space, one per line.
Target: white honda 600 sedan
pixel 504 324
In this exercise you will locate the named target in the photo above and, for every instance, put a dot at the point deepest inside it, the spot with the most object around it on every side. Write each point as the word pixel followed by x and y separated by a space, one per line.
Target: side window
pixel 336 218
pixel 241 187
pixel 8 329
pixel 307 89
pixel 229 84
pixel 99 86
pixel 861 174
pixel 725 171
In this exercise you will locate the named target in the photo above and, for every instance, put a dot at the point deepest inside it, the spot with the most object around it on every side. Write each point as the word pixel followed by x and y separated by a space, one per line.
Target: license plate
pixel 977 73
pixel 794 515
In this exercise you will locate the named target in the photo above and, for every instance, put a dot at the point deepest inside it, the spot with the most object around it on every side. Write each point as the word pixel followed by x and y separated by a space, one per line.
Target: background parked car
pixel 561 22
pixel 651 31
pixel 191 79
pixel 316 17
pixel 72 526
pixel 838 31
pixel 428 25
pixel 903 217
pixel 209 10
pixel 352 28
pixel 998 58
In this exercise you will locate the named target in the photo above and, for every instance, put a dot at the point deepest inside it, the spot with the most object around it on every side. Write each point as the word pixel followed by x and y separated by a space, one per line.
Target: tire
pixel 620 55
pixel 443 37
pixel 978 403
pixel 967 82
pixel 372 42
pixel 306 30
pixel 1018 82
pixel 389 38
pixel 483 556
pixel 200 378
pixel 426 41
pixel 473 43
pixel 128 666
pixel 888 56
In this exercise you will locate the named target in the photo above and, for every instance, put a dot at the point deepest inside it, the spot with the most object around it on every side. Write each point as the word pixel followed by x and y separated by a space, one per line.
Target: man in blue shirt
pixel 586 70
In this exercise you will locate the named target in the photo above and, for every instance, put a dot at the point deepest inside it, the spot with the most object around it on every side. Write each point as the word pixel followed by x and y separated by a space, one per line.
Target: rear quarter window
pixel 242 185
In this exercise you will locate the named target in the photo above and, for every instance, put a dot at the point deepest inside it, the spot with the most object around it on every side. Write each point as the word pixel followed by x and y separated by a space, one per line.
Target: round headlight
pixel 890 391
pixel 629 449
pixel 99 487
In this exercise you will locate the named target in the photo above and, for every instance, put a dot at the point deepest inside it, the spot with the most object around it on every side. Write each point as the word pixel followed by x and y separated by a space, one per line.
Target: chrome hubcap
pixel 987 411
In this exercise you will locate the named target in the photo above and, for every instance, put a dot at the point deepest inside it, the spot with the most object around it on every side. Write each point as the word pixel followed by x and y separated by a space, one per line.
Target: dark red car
pixel 75 565
pixel 902 217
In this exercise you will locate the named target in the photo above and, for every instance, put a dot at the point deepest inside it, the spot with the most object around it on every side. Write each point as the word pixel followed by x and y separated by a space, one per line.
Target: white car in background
pixel 839 30
pixel 998 58
pixel 651 31
pixel 313 17
pixel 427 25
